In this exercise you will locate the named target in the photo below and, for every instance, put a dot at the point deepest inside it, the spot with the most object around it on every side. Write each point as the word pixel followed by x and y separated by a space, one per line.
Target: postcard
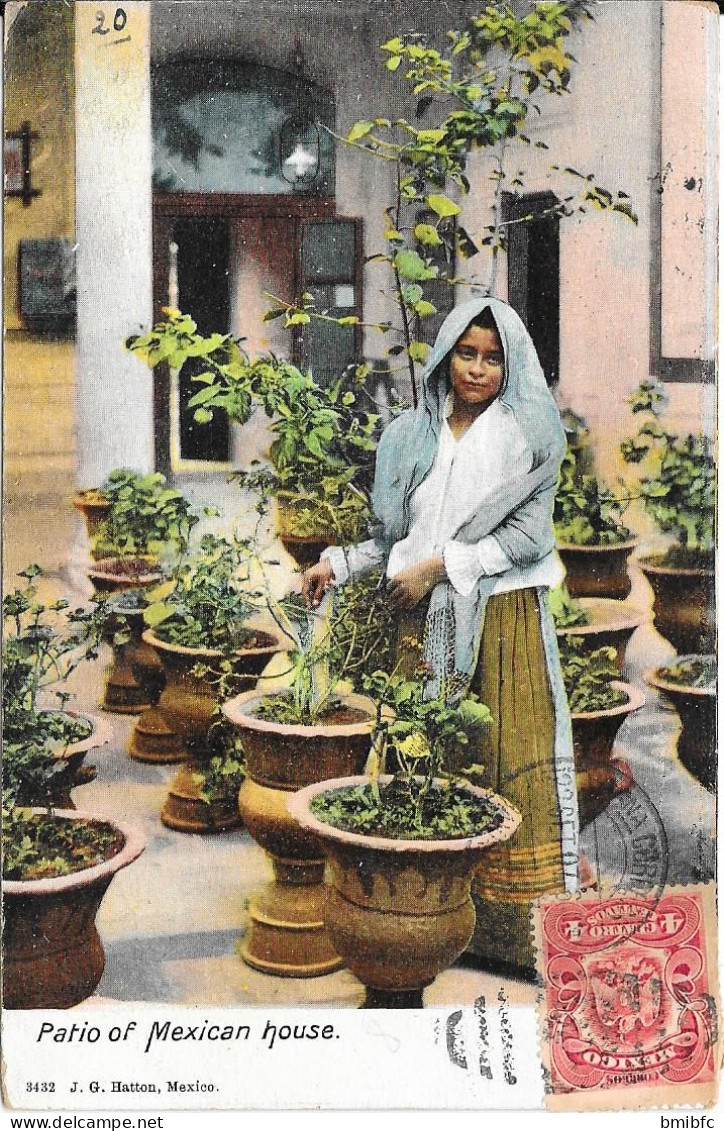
pixel 359 628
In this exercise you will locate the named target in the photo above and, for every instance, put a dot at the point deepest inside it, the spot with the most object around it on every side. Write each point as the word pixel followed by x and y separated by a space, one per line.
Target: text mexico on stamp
pixel 628 1013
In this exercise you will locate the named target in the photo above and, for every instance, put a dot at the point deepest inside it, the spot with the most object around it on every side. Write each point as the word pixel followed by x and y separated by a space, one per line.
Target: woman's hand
pixel 408 588
pixel 316 581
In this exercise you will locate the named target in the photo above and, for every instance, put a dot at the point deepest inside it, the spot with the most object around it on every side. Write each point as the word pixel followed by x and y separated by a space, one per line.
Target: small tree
pixel 479 92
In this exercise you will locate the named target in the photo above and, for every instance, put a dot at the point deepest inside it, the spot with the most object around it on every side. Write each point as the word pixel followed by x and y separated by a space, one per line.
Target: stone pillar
pixel 114 401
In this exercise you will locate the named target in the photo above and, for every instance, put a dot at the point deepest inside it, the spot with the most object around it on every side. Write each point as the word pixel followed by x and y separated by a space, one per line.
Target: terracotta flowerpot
pixel 597 571
pixel 594 734
pixel 398 911
pixel 611 624
pixel 188 704
pixel 53 955
pixel 684 606
pixel 77 773
pixel 696 707
pixel 94 508
pixel 152 739
pixel 303 548
pixel 124 693
pixel 72 757
pixel 286 934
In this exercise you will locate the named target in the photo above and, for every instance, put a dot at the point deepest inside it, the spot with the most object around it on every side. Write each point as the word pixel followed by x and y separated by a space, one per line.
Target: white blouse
pixel 489 453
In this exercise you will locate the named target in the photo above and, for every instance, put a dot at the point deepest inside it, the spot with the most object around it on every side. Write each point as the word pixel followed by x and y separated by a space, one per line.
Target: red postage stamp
pixel 629 1000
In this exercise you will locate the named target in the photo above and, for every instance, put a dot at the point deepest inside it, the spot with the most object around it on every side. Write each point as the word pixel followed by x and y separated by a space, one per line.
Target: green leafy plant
pixel 37 846
pixel 586 512
pixel 43 643
pixel 147 518
pixel 209 600
pixel 678 488
pixel 327 648
pixel 481 91
pixel 222 776
pixel 588 676
pixel 321 460
pixel 421 800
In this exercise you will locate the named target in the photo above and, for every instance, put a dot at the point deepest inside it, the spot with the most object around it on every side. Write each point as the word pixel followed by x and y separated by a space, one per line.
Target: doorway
pixel 218 257
pixel 534 272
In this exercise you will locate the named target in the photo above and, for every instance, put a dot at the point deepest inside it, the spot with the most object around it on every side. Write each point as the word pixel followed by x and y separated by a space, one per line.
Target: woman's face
pixel 477 366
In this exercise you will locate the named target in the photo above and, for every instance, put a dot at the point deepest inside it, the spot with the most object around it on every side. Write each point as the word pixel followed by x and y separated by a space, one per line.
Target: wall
pixel 39 391
pixel 607 125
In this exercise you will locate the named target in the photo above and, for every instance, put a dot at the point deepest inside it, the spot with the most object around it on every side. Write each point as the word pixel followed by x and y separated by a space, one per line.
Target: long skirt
pixel 515 757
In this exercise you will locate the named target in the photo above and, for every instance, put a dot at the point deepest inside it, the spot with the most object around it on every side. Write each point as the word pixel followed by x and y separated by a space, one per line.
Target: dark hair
pixel 485 320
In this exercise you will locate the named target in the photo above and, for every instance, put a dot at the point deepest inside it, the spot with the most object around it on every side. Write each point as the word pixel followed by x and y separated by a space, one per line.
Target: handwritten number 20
pixel 119 22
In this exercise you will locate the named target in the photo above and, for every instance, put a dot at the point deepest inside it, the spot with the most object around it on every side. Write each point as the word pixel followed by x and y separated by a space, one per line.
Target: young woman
pixel 462 499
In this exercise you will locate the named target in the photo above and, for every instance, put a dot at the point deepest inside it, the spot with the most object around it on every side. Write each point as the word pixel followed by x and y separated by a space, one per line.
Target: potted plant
pixel 593 542
pixel 313 728
pixel 43 644
pixel 146 522
pixel 689 683
pixel 600 621
pixel 320 461
pixel 57 866
pixel 140 537
pixel 402 848
pixel 94 506
pixel 678 492
pixel 56 863
pixel 599 703
pixel 198 624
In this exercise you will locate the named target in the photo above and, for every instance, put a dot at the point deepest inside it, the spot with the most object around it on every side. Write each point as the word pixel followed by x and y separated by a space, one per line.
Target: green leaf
pixel 272 314
pixel 412 293
pixel 418 351
pixel 298 319
pixel 423 308
pixel 393 63
pixel 442 205
pixel 411 266
pixel 158 613
pixel 360 129
pixel 427 235
pixel 203 416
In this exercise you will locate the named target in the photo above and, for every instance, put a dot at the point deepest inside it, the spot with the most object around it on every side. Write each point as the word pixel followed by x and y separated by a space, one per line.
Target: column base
pixel 187 812
pixel 286 936
pixel 152 740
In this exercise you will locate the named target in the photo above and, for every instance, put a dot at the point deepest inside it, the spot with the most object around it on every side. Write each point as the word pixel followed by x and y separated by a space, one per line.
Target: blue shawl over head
pixel 519 515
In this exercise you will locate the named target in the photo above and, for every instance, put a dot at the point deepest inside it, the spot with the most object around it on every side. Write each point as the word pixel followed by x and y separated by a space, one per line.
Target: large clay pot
pixel 75 772
pixel 286 933
pixel 188 704
pixel 611 624
pixel 594 733
pixel 53 957
pixel 696 707
pixel 303 548
pixel 684 606
pixel 71 771
pixel 94 508
pixel 597 571
pixel 133 667
pixel 399 912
